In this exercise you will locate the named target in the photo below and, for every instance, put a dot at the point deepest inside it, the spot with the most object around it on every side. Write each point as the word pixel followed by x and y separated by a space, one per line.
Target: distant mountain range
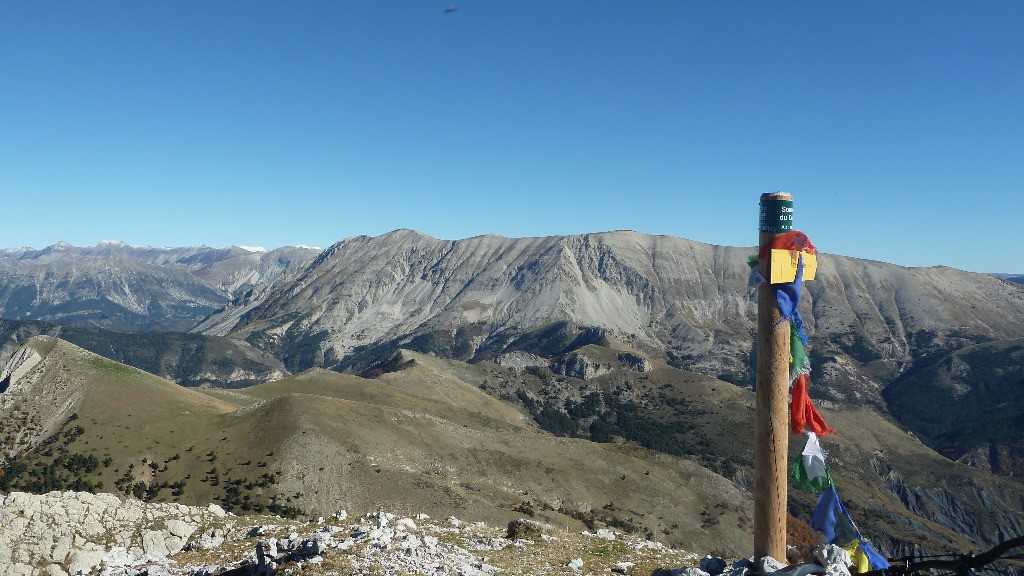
pixel 1015 278
pixel 679 300
pixel 117 286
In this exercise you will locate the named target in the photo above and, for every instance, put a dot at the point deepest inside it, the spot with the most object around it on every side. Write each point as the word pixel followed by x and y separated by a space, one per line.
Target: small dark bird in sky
pixel 450 9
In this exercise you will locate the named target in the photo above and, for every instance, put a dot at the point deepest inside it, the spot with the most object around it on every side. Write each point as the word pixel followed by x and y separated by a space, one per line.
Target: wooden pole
pixel 772 448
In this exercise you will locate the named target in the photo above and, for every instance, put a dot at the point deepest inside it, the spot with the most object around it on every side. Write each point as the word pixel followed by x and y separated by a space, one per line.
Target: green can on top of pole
pixel 776 214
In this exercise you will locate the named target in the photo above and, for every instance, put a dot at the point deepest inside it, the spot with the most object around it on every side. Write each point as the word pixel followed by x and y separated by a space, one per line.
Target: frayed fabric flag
pixel 782 265
pixel 857 557
pixel 803 413
pixel 787 296
pixel 792 240
pixel 799 362
pixel 876 560
pixel 826 515
pixel 809 470
pixel 864 556
pixel 830 518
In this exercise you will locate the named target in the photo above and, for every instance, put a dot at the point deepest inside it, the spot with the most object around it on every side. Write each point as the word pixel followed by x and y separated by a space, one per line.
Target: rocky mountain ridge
pixel 682 300
pixel 678 299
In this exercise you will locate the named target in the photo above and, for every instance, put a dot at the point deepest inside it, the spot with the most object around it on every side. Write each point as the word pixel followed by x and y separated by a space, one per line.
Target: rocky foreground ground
pixel 64 533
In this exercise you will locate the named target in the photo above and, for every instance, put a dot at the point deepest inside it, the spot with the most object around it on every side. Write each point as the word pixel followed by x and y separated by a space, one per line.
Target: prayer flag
pixel 825 515
pixel 784 265
pixel 803 413
pixel 792 240
pixel 799 363
pixel 876 560
pixel 859 558
pixel 809 470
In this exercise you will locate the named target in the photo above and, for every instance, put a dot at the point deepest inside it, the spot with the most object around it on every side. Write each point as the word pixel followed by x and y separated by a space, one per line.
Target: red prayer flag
pixel 794 240
pixel 803 413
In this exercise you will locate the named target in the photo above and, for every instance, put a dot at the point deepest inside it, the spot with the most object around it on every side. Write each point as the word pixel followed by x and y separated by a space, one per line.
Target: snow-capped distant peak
pixel 253 248
pixel 112 244
pixel 62 245
pixel 309 247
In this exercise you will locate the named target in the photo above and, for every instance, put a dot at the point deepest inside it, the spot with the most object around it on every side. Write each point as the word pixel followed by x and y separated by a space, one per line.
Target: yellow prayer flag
pixel 784 264
pixel 858 558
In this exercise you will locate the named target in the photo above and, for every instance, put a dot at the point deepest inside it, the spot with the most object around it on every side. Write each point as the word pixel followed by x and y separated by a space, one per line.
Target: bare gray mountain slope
pixel 678 298
pixel 364 290
pixel 116 286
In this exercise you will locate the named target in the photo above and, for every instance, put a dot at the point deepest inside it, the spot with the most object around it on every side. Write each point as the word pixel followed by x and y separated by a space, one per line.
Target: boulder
pixel 522 528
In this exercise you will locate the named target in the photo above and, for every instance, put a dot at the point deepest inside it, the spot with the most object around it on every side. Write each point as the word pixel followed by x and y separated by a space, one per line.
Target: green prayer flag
pixel 799 362
pixel 810 471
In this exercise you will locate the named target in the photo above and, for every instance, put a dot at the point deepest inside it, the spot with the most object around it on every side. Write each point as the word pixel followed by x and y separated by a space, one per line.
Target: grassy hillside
pixel 322 441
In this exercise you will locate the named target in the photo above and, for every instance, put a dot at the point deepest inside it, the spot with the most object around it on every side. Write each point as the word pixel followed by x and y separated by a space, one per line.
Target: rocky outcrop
pixel 634 363
pixel 1005 458
pixel 21 362
pixel 582 365
pixel 520 361
pixel 64 533
pixel 69 532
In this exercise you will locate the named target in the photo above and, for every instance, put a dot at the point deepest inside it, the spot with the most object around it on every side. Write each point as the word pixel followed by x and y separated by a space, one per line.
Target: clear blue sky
pixel 898 126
